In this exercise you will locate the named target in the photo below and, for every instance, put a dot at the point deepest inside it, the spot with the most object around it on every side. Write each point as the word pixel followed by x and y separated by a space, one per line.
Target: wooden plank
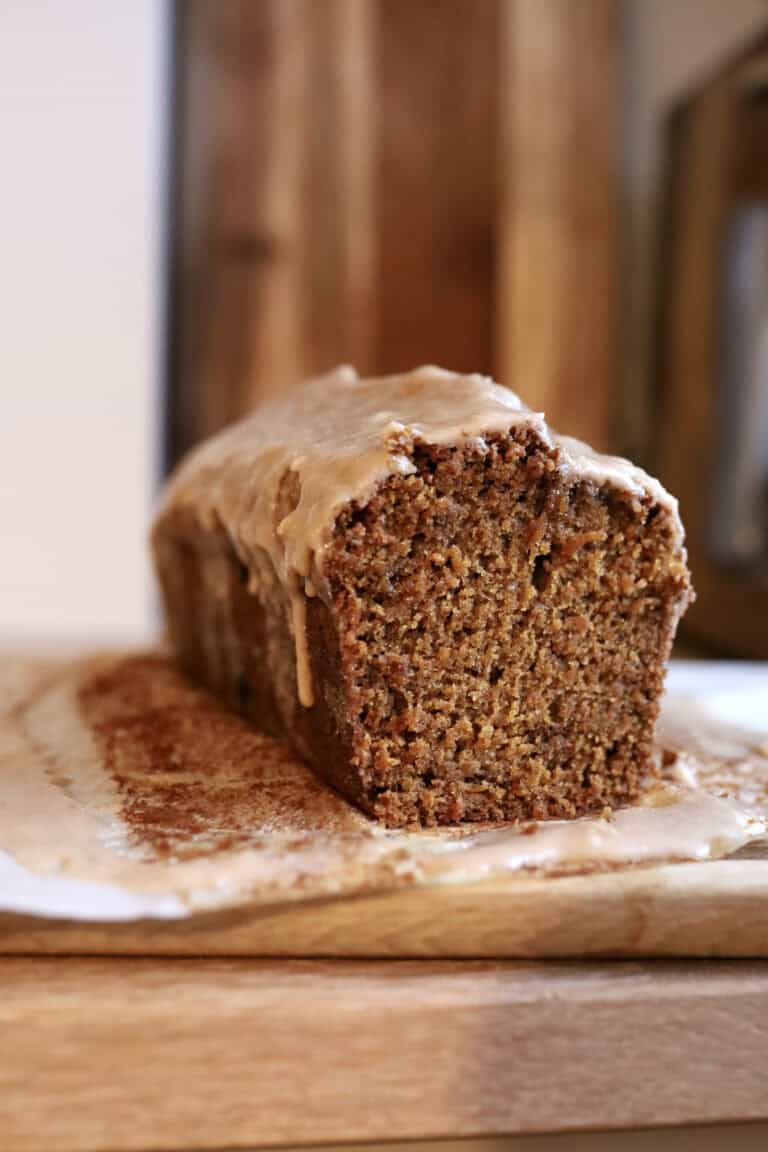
pixel 210 1054
pixel 339 199
pixel 437 106
pixel 221 242
pixel 338 195
pixel 557 305
pixel 272 328
pixel 275 237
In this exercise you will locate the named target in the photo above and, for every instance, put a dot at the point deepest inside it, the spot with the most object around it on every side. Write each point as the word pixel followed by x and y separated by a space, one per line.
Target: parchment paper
pixel 128 793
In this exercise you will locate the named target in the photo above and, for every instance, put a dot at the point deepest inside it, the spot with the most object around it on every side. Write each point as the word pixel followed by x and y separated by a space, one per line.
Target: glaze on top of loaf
pixel 342 435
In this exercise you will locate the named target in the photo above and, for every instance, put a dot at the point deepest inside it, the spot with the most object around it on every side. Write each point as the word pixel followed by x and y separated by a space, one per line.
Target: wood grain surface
pixel 558 211
pixel 437 180
pixel 388 183
pixel 142 1054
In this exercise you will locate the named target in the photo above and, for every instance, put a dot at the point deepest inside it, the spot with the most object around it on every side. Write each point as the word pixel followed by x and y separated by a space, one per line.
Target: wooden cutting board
pixel 710 908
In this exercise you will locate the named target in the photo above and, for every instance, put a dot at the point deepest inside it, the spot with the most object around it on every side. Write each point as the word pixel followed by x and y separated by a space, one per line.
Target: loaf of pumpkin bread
pixel 451 612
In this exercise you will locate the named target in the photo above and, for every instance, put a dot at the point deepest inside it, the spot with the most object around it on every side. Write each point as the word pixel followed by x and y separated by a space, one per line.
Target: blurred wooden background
pixel 388 183
pixel 717 166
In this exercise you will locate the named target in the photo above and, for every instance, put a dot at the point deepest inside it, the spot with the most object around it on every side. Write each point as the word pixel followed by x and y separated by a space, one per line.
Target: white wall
pixel 82 125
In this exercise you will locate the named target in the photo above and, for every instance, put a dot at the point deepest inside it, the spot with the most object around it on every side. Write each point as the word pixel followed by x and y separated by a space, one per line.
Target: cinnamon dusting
pixel 193 777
